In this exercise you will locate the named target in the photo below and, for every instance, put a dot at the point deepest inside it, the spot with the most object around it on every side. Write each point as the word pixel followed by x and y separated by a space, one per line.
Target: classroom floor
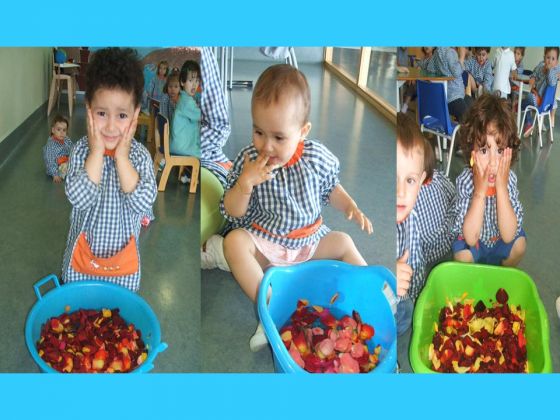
pixel 538 174
pixel 364 142
pixel 34 226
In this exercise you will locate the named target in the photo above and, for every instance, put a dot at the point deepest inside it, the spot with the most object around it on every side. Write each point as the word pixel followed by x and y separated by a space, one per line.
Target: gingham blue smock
pixel 291 200
pixel 107 215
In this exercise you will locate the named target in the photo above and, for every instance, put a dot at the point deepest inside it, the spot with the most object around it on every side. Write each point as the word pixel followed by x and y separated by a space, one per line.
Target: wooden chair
pixel 56 86
pixel 161 138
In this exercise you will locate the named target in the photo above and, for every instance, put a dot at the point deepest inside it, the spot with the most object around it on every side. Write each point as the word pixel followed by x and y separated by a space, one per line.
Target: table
pixel 415 73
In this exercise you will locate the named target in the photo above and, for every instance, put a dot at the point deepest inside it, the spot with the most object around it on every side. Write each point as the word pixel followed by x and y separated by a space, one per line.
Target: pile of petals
pixel 91 341
pixel 320 343
pixel 475 338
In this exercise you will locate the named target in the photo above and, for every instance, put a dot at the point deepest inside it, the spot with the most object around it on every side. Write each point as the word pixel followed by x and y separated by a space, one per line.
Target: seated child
pixel 278 186
pixel 446 62
pixel 435 207
pixel 110 181
pixel 518 53
pixel 411 261
pixel 480 68
pixel 169 99
pixel 504 68
pixel 185 130
pixel 57 150
pixel 489 214
pixel 544 75
pixel 156 87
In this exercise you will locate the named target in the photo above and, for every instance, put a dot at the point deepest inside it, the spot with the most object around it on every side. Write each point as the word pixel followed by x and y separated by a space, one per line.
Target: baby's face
pixel 551 59
pixel 173 89
pixel 191 84
pixel 410 176
pixel 113 111
pixel 518 56
pixel 59 130
pixel 490 154
pixel 481 57
pixel 277 129
pixel 162 70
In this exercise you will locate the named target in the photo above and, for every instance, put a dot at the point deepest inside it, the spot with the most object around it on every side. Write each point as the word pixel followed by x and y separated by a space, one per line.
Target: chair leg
pixel 181 169
pixel 551 128
pixel 539 127
pixel 51 96
pixel 70 96
pixel 439 149
pixel 164 176
pixel 194 178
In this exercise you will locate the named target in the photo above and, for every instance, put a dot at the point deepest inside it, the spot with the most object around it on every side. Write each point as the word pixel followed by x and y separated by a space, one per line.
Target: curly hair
pixel 279 80
pixel 489 112
pixel 115 68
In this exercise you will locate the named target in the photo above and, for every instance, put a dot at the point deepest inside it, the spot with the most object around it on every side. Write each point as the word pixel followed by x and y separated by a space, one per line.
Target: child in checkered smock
pixel 57 150
pixel 110 182
pixel 489 215
pixel 435 207
pixel 481 68
pixel 544 75
pixel 278 186
pixel 411 260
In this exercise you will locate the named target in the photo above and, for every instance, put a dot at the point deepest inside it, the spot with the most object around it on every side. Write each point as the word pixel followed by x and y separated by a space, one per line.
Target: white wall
pixel 24 82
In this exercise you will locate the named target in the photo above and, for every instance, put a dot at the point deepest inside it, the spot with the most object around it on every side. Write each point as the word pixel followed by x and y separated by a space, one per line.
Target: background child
pixel 504 66
pixel 110 181
pixel 480 68
pixel 518 53
pixel 278 186
pixel 445 61
pixel 435 207
pixel 185 131
pixel 57 150
pixel 489 213
pixel 156 88
pixel 411 262
pixel 544 75
pixel 169 99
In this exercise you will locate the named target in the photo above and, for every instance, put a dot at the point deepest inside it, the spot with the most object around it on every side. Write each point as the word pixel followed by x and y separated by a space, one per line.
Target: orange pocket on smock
pixel 124 262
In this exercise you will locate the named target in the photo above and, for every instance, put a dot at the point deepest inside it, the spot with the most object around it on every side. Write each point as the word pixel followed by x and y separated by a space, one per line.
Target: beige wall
pixel 24 83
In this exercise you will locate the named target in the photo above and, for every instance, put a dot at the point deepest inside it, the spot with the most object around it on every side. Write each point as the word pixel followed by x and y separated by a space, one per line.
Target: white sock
pixel 258 341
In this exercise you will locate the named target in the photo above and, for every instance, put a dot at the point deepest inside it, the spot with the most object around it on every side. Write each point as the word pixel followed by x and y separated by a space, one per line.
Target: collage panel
pixel 476 204
pixel 91 240
pixel 317 168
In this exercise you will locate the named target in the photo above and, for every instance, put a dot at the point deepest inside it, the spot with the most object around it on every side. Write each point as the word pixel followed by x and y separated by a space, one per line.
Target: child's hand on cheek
pixel 502 177
pixel 354 213
pixel 95 141
pixel 255 172
pixel 480 176
pixel 123 148
pixel 404 275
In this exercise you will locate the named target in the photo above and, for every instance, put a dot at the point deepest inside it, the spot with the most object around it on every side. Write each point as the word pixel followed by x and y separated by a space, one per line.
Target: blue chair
pixel 545 109
pixel 433 115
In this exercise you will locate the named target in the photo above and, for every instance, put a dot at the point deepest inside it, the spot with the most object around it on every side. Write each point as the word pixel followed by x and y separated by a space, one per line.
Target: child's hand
pixel 255 172
pixel 404 275
pixel 95 141
pixel 123 148
pixel 480 176
pixel 56 179
pixel 502 176
pixel 354 213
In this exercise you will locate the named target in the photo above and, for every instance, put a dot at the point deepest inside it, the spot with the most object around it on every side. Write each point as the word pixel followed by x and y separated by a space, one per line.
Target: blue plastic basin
pixel 369 290
pixel 92 295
